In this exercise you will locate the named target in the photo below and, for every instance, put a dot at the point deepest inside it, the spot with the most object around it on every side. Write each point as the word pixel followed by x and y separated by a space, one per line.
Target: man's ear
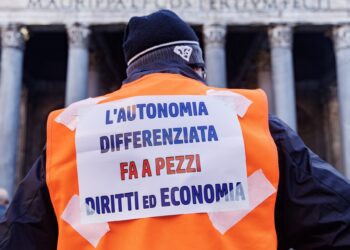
pixel 201 72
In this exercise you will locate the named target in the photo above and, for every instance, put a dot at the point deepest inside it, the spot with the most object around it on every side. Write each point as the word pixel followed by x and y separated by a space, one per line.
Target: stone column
pixel 332 129
pixel 215 54
pixel 264 76
pixel 78 63
pixel 13 42
pixel 93 81
pixel 341 37
pixel 281 41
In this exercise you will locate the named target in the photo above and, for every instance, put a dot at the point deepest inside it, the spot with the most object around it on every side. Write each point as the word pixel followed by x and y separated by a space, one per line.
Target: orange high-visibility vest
pixel 254 231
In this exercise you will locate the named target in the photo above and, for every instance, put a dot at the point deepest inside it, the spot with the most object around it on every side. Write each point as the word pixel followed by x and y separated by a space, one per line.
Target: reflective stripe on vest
pixel 251 229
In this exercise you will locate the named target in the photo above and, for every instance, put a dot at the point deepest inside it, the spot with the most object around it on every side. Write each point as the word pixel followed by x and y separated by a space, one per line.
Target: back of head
pixel 161 36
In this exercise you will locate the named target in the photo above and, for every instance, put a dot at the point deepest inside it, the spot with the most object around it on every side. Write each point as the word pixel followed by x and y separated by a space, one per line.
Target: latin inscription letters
pixel 188 5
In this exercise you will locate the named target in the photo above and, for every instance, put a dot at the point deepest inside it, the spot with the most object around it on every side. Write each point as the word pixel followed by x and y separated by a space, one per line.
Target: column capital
pixel 78 35
pixel 214 34
pixel 14 36
pixel 281 36
pixel 341 37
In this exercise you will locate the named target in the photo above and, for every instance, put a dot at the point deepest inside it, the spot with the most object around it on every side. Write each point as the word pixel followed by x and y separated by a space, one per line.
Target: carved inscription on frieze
pixel 186 5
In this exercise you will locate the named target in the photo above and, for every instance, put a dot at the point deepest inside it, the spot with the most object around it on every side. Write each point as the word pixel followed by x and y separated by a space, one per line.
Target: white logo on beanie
pixel 184 51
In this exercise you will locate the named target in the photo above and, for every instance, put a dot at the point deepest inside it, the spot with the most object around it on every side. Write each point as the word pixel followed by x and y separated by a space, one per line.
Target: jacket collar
pixel 163 67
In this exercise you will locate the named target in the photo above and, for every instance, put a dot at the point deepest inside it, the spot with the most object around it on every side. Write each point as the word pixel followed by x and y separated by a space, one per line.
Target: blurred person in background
pixel 4 200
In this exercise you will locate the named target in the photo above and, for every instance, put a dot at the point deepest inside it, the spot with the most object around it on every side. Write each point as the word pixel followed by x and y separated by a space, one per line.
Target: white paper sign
pixel 160 155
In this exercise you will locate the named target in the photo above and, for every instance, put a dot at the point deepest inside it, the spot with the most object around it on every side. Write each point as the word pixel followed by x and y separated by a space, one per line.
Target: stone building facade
pixel 55 52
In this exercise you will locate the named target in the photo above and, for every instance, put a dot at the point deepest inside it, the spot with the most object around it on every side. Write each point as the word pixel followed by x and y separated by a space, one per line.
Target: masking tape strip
pixel 93 233
pixel 237 102
pixel 259 188
pixel 69 116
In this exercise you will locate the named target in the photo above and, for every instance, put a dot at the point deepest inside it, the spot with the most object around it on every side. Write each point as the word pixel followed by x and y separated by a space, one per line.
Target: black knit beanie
pixel 161 35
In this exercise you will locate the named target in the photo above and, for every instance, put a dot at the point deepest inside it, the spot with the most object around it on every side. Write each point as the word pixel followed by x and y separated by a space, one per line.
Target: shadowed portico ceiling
pixel 239 12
